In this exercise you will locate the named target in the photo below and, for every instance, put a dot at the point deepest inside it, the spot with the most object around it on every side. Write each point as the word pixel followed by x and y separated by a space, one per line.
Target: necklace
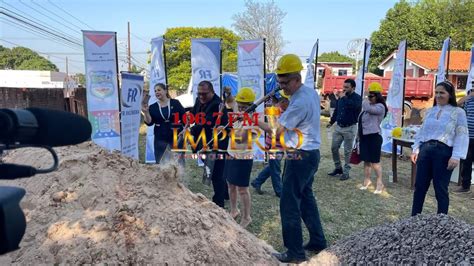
pixel 161 113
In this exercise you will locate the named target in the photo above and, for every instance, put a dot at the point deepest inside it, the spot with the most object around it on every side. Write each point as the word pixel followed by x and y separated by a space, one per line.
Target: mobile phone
pixel 146 98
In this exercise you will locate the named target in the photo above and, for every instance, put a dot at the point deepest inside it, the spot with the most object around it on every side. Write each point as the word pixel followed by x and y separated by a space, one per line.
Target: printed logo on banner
pixel 104 124
pixel 248 47
pixel 205 74
pixel 132 95
pixel 101 83
pixel 99 39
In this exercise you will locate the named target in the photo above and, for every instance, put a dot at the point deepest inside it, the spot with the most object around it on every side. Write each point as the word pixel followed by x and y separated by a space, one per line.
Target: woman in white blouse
pixel 439 145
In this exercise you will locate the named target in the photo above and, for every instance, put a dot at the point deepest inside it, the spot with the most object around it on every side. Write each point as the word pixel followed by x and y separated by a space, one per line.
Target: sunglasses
pixel 203 93
pixel 371 95
pixel 285 82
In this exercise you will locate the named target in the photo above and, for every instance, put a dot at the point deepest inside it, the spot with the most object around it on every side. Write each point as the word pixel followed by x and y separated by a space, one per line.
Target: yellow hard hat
pixel 284 95
pixel 289 63
pixel 375 87
pixel 397 132
pixel 245 95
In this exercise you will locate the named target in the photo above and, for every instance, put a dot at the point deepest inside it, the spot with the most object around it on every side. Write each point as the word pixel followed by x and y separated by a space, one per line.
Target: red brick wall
pixel 23 98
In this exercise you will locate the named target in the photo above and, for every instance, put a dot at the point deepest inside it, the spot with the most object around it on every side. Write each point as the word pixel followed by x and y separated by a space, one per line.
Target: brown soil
pixel 105 208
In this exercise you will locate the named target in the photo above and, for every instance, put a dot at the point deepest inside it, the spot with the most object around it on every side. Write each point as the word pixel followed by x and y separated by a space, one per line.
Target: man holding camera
pixel 345 116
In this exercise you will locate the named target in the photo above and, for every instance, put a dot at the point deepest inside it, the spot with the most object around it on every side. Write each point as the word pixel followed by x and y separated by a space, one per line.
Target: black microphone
pixel 13 171
pixel 38 126
pixel 12 219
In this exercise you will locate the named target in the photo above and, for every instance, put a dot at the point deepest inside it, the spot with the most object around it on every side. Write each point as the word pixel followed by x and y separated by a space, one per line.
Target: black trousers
pixel 298 203
pixel 466 170
pixel 160 148
pixel 219 184
pixel 432 164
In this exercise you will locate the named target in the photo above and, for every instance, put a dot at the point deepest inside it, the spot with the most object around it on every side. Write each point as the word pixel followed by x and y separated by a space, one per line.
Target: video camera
pixel 31 127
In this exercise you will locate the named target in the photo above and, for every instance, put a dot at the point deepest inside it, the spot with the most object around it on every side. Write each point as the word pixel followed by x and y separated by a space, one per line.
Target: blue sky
pixel 334 22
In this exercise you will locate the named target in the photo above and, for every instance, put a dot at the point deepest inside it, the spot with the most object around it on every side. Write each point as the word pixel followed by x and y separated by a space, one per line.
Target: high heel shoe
pixel 365 187
pixel 379 191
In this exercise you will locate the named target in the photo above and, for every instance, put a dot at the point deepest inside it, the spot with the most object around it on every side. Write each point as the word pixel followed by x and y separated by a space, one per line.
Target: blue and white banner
pixel 157 75
pixel 470 75
pixel 310 82
pixel 131 99
pixel 206 63
pixel 100 59
pixel 364 69
pixel 250 68
pixel 395 99
pixel 441 74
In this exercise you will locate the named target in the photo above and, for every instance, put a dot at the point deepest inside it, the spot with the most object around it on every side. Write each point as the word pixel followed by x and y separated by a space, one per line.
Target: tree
pixel 22 58
pixel 262 20
pixel 334 57
pixel 80 79
pixel 425 24
pixel 178 52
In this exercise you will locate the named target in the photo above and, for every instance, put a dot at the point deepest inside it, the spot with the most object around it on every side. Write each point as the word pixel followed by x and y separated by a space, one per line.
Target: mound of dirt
pixel 102 207
pixel 423 239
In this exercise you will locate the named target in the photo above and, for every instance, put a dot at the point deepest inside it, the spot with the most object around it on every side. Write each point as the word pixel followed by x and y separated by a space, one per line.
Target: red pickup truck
pixel 418 91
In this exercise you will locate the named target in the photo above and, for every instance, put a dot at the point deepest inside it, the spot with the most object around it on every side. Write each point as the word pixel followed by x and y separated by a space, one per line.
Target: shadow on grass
pixel 344 209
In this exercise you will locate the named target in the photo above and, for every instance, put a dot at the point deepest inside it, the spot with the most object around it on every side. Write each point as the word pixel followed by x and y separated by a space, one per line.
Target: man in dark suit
pixel 209 103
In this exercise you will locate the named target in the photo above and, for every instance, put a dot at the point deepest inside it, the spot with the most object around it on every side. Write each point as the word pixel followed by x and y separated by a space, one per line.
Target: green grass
pixel 344 209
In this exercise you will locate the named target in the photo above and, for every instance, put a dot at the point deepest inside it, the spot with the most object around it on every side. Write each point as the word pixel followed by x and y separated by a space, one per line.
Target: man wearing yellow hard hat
pixel 297 200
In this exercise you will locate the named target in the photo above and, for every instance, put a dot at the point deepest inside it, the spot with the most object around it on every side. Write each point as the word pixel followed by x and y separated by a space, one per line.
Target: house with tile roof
pixel 422 63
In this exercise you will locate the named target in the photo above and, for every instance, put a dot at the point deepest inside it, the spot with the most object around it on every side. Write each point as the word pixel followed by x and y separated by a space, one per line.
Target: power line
pixel 39 33
pixel 64 37
pixel 139 38
pixel 80 28
pixel 80 21
pixel 39 12
pixel 61 58
pixel 49 55
pixel 40 23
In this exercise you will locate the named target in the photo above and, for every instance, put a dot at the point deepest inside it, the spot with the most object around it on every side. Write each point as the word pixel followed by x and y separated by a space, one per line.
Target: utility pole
pixel 67 67
pixel 128 48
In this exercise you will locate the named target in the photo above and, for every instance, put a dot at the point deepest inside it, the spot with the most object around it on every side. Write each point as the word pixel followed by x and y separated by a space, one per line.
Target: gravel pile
pixel 432 239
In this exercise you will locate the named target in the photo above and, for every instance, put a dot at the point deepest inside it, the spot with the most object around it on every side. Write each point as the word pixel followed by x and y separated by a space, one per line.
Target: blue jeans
pixel 297 202
pixel 431 165
pixel 273 170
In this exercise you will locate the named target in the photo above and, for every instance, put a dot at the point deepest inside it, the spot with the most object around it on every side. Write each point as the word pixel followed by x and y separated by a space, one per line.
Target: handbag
pixel 355 158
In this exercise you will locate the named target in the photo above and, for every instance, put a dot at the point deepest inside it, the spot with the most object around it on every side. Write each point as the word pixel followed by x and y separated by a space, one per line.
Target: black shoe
pixel 257 188
pixel 462 190
pixel 335 172
pixel 283 257
pixel 344 177
pixel 313 248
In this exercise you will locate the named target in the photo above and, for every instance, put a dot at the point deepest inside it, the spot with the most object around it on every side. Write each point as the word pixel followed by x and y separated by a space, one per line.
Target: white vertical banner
pixel 157 75
pixel 310 81
pixel 364 69
pixel 395 99
pixel 250 72
pixel 470 74
pixel 131 99
pixel 206 63
pixel 100 57
pixel 250 68
pixel 441 74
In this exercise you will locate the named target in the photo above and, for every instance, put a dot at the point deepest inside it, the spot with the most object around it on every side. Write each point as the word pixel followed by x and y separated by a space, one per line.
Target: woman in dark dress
pixel 161 114
pixel 374 110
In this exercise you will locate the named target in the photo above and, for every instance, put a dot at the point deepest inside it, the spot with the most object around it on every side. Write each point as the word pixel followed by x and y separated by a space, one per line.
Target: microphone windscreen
pixel 59 128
